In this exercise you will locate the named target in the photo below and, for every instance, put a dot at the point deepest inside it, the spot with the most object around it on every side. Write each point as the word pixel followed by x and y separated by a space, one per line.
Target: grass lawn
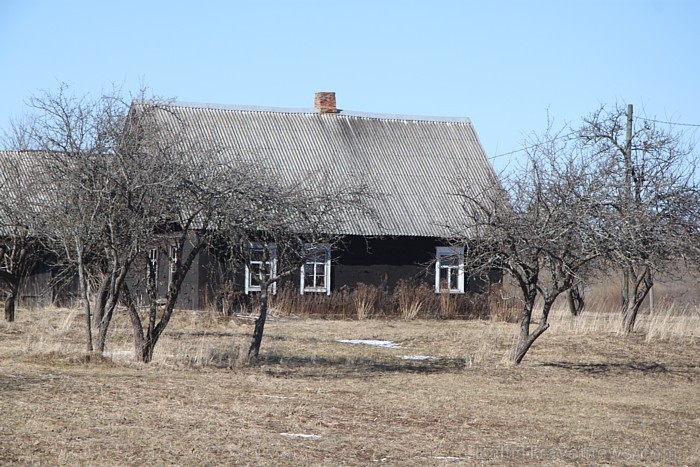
pixel 444 394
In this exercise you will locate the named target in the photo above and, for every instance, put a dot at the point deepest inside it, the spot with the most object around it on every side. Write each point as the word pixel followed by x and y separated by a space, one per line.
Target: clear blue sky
pixel 503 64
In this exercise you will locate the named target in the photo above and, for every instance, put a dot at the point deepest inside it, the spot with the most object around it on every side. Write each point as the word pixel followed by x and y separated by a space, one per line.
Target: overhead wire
pixel 696 125
pixel 532 146
pixel 667 123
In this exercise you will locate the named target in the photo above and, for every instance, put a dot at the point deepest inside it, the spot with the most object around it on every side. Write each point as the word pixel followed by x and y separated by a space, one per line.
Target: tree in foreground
pixel 125 182
pixel 540 229
pixel 652 209
pixel 594 200
pixel 292 224
pixel 72 135
pixel 21 244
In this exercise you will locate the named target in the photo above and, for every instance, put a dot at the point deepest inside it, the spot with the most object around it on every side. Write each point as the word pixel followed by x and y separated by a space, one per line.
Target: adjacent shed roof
pixel 22 190
pixel 413 166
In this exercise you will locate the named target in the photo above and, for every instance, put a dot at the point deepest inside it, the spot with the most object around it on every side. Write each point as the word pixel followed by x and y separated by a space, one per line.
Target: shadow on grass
pixel 614 368
pixel 344 367
pixel 181 334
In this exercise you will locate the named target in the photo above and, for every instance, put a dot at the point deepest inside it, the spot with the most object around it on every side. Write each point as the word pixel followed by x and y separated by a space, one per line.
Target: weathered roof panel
pixel 23 190
pixel 413 165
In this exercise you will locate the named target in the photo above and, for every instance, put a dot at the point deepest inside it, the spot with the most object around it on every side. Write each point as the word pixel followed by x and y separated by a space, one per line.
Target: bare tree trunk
pixel 526 339
pixel 149 343
pixel 255 343
pixel 10 304
pixel 625 289
pixel 143 345
pixel 136 327
pixel 101 300
pixel 629 317
pixel 113 287
pixel 641 285
pixel 86 300
pixel 574 298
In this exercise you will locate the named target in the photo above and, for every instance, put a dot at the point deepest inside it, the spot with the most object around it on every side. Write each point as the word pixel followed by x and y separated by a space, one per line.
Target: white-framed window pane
pixel 261 266
pixel 153 263
pixel 172 253
pixel 449 270
pixel 316 269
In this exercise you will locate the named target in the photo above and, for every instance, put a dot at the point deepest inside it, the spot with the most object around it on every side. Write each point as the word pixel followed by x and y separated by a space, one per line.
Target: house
pixel 21 254
pixel 413 166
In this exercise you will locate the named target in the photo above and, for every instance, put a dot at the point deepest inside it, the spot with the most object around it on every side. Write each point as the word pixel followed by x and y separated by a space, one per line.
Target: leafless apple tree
pixel 124 182
pixel 290 222
pixel 652 211
pixel 588 201
pixel 540 228
pixel 21 246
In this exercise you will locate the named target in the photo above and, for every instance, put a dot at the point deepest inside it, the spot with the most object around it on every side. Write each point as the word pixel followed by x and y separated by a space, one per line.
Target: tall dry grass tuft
pixel 411 298
pixel 448 306
pixel 494 347
pixel 669 322
pixel 365 297
pixel 53 331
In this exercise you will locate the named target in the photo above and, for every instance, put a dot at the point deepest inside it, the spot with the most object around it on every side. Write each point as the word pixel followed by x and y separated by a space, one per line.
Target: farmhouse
pixel 412 166
pixel 413 169
pixel 21 193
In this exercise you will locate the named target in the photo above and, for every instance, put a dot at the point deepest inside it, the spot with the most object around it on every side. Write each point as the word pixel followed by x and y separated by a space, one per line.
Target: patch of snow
pixel 118 353
pixel 448 458
pixel 300 435
pixel 416 357
pixel 385 344
pixel 128 353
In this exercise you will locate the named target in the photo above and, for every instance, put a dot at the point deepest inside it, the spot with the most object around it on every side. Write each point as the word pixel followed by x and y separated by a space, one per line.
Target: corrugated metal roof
pixel 413 166
pixel 22 188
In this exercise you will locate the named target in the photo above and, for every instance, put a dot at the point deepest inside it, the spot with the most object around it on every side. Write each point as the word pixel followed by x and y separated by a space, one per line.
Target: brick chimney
pixel 325 103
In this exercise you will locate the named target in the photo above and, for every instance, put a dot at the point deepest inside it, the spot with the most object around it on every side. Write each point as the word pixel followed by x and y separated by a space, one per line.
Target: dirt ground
pixel 444 394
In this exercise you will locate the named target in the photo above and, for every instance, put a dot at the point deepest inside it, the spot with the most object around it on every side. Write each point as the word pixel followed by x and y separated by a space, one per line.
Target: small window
pixel 316 269
pixel 173 254
pixel 449 269
pixel 152 263
pixel 262 265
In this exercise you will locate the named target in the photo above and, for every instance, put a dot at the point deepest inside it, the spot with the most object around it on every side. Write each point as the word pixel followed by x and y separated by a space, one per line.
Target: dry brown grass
pixel 410 299
pixel 583 396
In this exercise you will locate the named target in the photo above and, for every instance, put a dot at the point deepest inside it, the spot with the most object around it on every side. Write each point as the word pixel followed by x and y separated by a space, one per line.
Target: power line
pixel 533 146
pixel 668 123
pixel 694 125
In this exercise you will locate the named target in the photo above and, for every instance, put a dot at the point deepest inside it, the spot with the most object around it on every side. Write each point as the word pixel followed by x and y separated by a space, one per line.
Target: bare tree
pixel 541 229
pixel 125 181
pixel 21 244
pixel 72 133
pixel 292 222
pixel 190 207
pixel 110 185
pixel 651 212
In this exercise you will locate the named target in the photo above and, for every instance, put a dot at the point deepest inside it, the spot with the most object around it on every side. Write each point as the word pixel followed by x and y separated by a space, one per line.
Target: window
pixel 316 269
pixel 449 269
pixel 172 253
pixel 153 264
pixel 262 265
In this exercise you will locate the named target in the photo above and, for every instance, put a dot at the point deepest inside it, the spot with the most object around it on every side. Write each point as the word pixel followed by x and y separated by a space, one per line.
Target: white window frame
pixel 440 266
pixel 172 257
pixel 309 262
pixel 153 261
pixel 272 267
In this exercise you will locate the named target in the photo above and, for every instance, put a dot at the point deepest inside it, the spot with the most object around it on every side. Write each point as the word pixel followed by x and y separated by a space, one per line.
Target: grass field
pixel 444 395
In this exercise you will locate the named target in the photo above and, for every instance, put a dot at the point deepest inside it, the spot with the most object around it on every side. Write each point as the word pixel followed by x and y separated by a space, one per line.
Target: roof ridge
pixel 310 111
